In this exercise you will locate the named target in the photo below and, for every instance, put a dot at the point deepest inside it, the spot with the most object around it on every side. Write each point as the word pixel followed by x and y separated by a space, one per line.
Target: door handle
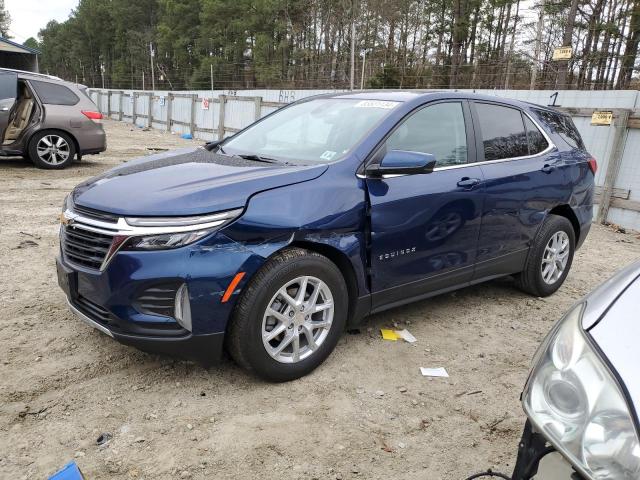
pixel 547 168
pixel 466 182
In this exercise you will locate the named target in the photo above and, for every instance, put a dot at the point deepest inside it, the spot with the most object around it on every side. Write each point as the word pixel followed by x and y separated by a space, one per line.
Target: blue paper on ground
pixel 69 472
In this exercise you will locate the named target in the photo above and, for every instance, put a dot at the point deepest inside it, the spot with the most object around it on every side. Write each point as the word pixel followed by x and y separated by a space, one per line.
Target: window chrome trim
pixel 550 146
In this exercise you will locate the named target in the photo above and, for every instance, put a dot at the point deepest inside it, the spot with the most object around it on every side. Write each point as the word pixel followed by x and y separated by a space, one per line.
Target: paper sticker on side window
pixel 376 104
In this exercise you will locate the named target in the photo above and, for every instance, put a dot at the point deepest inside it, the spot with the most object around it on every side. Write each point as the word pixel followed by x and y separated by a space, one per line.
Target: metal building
pixel 16 56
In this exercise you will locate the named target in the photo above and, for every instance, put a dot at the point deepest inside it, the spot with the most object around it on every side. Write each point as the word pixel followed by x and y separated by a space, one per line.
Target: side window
pixel 8 85
pixel 563 126
pixel 54 94
pixel 537 142
pixel 437 129
pixel 503 134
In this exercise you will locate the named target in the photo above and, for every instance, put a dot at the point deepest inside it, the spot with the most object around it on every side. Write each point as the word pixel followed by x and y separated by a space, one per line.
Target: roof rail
pixel 35 74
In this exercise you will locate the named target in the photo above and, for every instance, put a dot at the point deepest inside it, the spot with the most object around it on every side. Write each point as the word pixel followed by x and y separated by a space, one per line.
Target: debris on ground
pixel 25 244
pixel 406 336
pixel 434 372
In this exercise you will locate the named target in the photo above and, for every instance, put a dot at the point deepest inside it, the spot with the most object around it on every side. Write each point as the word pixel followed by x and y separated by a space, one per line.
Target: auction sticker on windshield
pixel 376 104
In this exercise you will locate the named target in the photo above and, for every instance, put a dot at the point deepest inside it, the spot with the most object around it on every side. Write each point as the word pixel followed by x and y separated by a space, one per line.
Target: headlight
pixel 169 240
pixel 576 403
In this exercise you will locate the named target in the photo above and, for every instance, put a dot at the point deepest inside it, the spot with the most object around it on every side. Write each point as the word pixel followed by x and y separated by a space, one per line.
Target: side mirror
pixel 402 162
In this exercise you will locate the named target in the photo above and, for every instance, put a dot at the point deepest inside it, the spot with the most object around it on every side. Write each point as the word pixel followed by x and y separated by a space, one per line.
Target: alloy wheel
pixel 555 257
pixel 297 319
pixel 53 149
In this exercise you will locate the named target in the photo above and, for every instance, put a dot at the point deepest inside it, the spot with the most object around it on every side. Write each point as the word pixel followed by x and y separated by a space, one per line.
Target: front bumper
pixel 204 349
pixel 109 300
pixel 537 460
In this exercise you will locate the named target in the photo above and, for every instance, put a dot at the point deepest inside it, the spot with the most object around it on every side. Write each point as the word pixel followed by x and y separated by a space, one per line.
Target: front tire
pixel 52 150
pixel 549 259
pixel 289 317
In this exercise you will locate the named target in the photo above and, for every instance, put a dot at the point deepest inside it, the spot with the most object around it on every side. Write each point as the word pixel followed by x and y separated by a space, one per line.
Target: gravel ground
pixel 366 413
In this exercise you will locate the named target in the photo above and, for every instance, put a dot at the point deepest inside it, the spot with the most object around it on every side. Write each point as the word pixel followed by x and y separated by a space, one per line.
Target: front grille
pixel 85 248
pixel 158 299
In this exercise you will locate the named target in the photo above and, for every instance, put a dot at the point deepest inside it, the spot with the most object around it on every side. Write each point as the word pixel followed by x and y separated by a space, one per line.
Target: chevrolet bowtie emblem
pixel 64 220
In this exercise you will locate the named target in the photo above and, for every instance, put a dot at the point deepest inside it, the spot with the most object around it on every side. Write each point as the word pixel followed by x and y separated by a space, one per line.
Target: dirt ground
pixel 366 413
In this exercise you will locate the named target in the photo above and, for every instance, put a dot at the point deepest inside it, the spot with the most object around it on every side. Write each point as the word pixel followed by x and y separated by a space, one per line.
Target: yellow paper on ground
pixel 389 334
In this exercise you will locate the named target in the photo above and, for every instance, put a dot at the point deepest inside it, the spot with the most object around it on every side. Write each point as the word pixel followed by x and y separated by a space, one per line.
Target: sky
pixel 29 16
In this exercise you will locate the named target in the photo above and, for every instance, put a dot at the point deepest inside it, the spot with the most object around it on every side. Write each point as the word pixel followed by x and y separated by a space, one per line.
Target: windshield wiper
pixel 257 158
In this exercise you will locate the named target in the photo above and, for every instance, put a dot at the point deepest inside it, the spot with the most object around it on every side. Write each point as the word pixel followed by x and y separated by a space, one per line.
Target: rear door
pixel 8 94
pixel 524 178
pixel 424 227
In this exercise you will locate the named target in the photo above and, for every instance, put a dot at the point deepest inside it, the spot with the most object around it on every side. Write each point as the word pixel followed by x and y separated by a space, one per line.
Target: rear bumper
pixel 204 349
pixel 91 140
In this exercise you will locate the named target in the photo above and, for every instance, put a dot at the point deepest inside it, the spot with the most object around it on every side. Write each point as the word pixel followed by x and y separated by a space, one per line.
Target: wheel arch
pixel 343 263
pixel 53 130
pixel 567 212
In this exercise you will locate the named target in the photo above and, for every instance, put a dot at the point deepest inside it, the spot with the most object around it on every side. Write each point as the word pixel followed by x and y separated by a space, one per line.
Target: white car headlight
pixel 574 400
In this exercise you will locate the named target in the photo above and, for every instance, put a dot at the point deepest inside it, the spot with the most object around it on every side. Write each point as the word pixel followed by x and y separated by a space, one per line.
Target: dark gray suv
pixel 47 119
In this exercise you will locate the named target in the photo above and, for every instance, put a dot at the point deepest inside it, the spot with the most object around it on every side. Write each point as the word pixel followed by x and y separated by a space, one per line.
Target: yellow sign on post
pixel 562 53
pixel 601 118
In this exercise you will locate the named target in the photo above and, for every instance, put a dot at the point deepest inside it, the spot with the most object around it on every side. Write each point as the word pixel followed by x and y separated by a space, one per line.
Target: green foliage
pixel 388 77
pixel 306 43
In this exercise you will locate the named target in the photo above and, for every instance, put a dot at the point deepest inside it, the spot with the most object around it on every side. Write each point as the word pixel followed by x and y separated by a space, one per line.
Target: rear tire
pixel 52 150
pixel 549 259
pixel 272 302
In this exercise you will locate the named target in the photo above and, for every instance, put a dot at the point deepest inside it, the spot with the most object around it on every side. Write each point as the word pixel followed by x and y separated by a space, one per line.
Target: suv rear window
pixel 563 126
pixel 503 133
pixel 54 94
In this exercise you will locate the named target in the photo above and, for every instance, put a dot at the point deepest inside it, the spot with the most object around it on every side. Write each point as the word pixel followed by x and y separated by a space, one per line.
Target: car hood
pixel 189 181
pixel 621 349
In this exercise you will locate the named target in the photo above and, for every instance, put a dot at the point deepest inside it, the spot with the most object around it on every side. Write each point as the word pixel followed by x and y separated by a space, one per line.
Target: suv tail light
pixel 95 116
pixel 593 165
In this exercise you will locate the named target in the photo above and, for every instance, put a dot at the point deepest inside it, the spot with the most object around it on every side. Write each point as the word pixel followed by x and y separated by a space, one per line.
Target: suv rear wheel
pixel 52 150
pixel 290 316
pixel 549 259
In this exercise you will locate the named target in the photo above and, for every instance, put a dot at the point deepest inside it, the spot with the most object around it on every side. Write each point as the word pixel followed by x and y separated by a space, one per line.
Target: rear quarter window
pixel 561 125
pixel 54 94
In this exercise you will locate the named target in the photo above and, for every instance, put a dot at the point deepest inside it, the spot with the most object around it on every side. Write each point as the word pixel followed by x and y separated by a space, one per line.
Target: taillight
pixel 95 116
pixel 593 165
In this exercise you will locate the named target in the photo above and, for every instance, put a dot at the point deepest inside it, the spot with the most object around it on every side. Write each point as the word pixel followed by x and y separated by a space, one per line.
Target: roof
pixel 7 45
pixel 396 95
pixel 25 73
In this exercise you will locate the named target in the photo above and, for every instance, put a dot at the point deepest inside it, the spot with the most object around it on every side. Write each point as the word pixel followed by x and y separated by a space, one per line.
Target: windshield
pixel 321 130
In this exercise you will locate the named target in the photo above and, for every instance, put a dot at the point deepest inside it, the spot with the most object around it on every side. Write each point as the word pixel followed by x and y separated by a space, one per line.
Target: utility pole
pixel 364 58
pixel 102 73
pixel 153 76
pixel 353 45
pixel 536 61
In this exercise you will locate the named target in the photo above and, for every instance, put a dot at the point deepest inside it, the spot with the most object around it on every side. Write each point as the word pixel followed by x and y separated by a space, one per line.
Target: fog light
pixel 183 307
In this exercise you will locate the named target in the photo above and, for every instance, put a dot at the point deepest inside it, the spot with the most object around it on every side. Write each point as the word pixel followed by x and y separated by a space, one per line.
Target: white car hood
pixel 618 336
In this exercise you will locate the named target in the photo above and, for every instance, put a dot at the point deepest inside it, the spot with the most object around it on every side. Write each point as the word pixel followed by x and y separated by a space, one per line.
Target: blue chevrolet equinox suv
pixel 270 243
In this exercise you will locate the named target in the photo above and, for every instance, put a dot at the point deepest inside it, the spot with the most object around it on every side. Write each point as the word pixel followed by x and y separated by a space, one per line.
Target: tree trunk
pixel 567 39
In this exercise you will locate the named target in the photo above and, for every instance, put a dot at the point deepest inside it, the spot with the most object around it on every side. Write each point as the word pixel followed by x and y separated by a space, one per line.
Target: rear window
pixel 503 133
pixel 54 94
pixel 563 126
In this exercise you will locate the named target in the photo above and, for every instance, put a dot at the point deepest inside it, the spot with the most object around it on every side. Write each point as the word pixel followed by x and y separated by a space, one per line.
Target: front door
pixel 524 178
pixel 424 227
pixel 8 94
